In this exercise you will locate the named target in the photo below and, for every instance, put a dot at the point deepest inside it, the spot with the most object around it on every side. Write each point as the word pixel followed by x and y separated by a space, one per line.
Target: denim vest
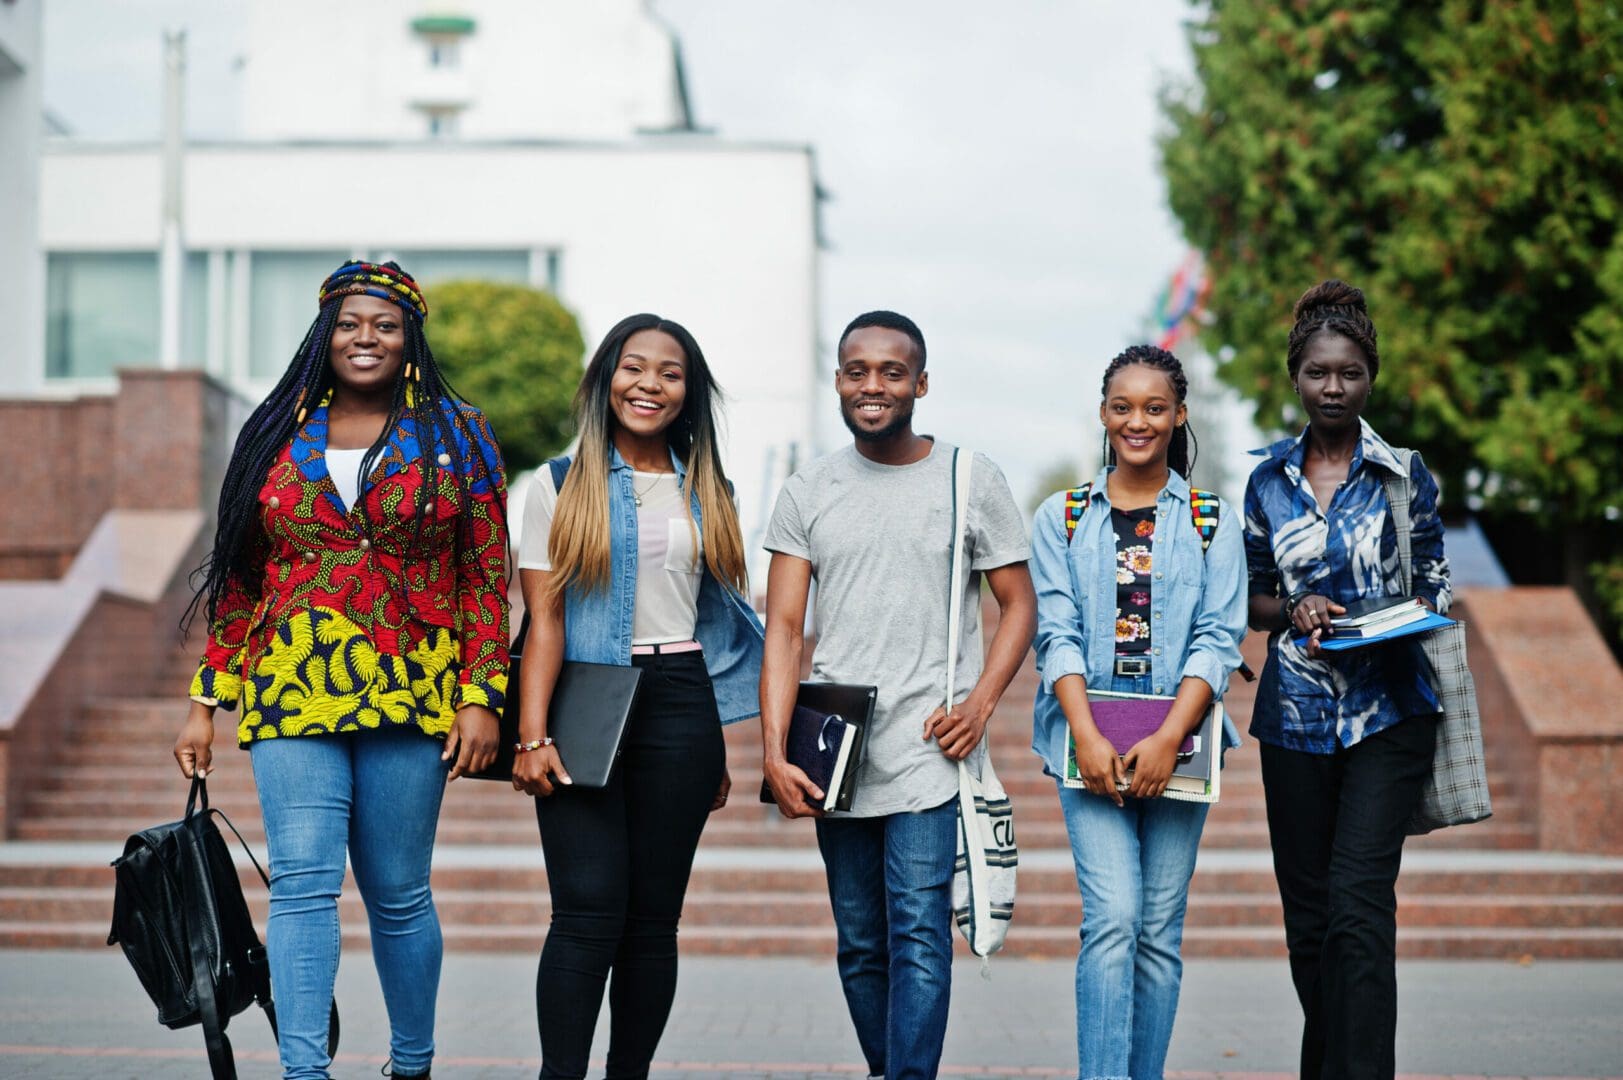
pixel 597 624
pixel 1199 604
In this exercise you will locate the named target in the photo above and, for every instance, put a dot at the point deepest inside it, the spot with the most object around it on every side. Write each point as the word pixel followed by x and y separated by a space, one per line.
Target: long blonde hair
pixel 579 541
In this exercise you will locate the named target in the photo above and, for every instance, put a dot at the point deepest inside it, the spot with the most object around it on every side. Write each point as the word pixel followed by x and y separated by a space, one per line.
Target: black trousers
pixel 618 860
pixel 1336 822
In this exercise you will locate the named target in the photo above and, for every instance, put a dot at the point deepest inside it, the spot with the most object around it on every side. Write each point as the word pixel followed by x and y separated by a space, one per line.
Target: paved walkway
pixel 81 1014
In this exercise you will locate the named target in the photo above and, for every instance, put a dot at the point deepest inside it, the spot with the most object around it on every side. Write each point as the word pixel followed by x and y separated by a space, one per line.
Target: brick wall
pixel 159 443
pixel 59 482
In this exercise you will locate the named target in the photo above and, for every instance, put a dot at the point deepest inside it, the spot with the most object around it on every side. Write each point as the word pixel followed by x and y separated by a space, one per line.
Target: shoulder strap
pixel 1204 511
pixel 1398 496
pixel 202 929
pixel 560 470
pixel 1076 501
pixel 962 463
pixel 1204 507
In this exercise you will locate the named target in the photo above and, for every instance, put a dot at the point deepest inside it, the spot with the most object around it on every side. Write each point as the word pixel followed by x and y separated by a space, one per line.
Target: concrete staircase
pixel 758 887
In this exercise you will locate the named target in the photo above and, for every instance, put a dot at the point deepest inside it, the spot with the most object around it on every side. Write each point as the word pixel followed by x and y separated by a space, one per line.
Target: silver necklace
pixel 637 495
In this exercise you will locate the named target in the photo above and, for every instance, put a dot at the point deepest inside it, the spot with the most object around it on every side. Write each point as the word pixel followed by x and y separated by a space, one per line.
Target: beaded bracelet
pixel 526 747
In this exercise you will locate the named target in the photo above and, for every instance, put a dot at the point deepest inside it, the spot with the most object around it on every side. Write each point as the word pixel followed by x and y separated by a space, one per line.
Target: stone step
pixel 800 873
pixel 1052 943
pixel 1036 832
pixel 810 907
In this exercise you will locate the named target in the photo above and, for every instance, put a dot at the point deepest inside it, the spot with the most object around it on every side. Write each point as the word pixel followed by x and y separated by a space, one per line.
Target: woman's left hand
pixel 472 740
pixel 720 800
pixel 1151 760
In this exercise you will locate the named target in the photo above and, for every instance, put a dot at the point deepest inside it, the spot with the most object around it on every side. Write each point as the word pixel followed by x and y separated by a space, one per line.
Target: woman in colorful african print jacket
pixel 1347 737
pixel 356 599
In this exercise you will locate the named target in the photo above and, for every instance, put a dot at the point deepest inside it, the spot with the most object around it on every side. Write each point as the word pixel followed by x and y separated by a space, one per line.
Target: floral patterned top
pixel 1135 532
pixel 353 627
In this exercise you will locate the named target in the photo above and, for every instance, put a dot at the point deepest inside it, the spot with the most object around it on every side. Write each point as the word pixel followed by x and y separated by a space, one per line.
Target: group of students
pixel 356 596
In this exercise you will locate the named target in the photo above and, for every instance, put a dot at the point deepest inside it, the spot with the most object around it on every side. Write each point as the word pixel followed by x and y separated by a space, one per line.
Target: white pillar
pixel 172 249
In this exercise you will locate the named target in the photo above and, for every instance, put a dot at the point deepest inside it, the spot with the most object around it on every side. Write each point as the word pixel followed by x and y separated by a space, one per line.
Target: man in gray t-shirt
pixel 872 524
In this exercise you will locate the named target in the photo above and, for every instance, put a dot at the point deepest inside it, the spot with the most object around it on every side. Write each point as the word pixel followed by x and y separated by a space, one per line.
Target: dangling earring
pixel 298 420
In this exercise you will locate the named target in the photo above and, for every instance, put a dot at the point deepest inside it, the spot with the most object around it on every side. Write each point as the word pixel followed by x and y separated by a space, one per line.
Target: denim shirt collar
pixel 1176 486
pixel 1287 454
pixel 618 463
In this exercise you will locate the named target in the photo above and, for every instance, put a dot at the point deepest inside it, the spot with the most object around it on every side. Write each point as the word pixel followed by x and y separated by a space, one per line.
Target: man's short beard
pixel 898 424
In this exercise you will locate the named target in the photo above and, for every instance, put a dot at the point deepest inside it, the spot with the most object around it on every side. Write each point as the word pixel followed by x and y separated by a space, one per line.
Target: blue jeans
pixel 890 884
pixel 376 794
pixel 1133 865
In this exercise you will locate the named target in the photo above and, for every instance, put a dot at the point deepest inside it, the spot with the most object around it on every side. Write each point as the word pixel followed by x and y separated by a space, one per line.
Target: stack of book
pixel 1378 619
pixel 1124 719
pixel 1377 615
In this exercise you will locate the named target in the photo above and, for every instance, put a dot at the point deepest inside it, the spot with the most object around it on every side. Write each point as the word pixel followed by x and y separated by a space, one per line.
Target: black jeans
pixel 618 861
pixel 1336 822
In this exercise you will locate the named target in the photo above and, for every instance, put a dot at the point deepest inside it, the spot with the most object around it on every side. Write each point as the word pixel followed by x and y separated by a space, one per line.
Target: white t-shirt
pixel 669 554
pixel 344 466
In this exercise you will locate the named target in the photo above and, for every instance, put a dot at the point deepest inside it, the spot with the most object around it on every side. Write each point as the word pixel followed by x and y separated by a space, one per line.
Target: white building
pixel 552 144
pixel 475 69
pixel 22 271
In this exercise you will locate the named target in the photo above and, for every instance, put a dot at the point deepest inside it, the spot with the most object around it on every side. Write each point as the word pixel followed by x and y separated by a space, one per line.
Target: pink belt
pixel 666 647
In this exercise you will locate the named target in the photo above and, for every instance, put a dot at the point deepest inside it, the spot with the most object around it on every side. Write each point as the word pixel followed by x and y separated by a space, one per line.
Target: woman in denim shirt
pixel 1132 604
pixel 1347 737
pixel 637 560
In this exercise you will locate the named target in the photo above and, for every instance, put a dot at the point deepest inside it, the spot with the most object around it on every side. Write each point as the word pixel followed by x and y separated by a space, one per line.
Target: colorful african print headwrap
pixel 385 280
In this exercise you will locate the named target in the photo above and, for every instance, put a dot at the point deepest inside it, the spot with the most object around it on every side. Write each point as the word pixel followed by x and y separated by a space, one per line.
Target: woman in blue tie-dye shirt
pixel 1347 737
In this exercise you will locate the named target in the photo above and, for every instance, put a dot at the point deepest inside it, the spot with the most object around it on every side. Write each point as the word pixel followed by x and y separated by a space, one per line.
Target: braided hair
pixel 420 391
pixel 1336 307
pixel 1185 447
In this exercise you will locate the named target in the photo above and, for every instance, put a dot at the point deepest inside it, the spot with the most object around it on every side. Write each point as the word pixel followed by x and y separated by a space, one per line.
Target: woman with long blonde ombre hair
pixel 637 560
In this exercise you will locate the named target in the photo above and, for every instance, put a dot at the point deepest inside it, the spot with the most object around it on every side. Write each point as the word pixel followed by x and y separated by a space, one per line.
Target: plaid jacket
pixel 351 628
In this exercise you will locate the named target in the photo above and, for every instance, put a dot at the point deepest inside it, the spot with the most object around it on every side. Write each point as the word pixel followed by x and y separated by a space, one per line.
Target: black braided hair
pixel 237 552
pixel 1185 448
pixel 1336 307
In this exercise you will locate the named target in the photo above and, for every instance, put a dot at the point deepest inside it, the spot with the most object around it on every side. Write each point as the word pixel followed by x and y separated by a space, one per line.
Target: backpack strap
pixel 1203 511
pixel 1076 500
pixel 560 470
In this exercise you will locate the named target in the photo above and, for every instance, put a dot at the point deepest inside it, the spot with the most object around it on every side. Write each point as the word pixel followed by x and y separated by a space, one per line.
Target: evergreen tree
pixel 1462 163
pixel 515 352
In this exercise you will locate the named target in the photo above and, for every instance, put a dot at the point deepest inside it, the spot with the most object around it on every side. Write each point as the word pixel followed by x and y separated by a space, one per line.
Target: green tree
pixel 1461 162
pixel 515 352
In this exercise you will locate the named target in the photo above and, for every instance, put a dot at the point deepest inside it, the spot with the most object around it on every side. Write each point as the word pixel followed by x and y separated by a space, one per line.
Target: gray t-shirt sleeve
pixel 786 532
pixel 998 534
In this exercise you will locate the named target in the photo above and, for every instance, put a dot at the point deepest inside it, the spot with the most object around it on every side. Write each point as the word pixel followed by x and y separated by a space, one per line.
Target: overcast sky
pixel 992 169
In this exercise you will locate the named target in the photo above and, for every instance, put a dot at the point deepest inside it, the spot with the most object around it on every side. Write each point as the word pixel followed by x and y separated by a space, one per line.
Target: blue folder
pixel 1432 621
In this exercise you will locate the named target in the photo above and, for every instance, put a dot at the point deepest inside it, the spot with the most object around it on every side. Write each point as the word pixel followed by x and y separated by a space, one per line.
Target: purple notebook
pixel 1126 721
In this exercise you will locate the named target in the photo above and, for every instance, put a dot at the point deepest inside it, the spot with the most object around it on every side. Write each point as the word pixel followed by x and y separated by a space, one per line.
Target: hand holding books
pixel 1363 622
pixel 1126 723
pixel 822 751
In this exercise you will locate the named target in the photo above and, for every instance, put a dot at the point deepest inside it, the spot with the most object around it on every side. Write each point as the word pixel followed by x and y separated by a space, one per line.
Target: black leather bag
pixel 180 916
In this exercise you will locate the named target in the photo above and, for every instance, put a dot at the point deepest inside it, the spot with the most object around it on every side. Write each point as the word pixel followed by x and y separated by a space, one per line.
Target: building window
pixel 442 124
pixel 431 267
pixel 445 54
pixel 102 312
pixel 281 304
